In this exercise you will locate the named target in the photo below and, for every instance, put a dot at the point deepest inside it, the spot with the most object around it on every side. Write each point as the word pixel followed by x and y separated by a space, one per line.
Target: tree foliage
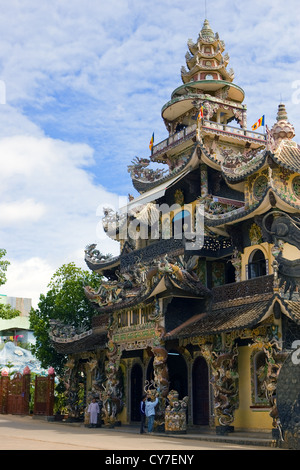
pixel 7 312
pixel 65 301
pixel 3 266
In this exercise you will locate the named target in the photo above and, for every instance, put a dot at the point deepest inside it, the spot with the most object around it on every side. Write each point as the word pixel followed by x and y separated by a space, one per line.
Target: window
pixel 209 76
pixel 257 265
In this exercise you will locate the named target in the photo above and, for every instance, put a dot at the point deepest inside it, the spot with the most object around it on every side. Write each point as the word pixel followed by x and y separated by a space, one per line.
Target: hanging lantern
pixel 26 371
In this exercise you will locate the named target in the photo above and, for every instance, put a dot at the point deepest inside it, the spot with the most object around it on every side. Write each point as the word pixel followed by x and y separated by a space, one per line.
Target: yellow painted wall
pixel 265 248
pixel 245 416
pixel 289 251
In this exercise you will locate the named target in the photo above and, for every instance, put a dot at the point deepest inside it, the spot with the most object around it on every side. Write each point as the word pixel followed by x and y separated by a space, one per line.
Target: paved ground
pixel 27 433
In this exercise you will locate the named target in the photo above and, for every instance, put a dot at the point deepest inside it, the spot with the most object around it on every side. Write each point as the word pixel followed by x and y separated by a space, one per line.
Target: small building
pixel 16 329
pixel 204 296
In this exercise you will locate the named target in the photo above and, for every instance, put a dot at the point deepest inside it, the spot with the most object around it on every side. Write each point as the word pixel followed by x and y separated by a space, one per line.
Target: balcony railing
pixel 190 131
pixel 259 285
pixel 227 130
pixel 175 139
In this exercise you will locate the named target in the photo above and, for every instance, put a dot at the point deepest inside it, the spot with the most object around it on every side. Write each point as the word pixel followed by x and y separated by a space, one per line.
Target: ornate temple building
pixel 202 304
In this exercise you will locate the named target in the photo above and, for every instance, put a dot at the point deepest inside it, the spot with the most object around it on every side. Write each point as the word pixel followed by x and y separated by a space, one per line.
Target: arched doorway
pixel 177 369
pixel 200 392
pixel 136 387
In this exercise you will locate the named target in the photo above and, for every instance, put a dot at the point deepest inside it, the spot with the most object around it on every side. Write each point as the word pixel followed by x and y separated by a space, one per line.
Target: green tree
pixel 3 266
pixel 65 301
pixel 6 311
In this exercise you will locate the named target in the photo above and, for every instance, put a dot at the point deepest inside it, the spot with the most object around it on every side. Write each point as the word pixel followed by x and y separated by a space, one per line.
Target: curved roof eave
pixel 262 206
pixel 99 266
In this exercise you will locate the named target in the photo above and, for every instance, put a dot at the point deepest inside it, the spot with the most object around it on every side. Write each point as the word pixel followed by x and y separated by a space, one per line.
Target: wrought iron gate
pixel 44 395
pixel 4 382
pixel 15 393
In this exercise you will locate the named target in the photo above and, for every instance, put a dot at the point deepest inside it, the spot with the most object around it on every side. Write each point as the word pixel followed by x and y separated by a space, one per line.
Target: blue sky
pixel 85 83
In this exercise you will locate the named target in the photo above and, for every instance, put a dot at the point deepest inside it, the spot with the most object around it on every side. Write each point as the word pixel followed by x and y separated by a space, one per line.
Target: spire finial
pixel 206 30
pixel 282 129
pixel 282 114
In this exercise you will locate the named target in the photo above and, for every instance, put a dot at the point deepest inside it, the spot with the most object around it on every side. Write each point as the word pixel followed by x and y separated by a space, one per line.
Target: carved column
pixel 224 380
pixel 71 384
pixel 161 375
pixel 112 395
pixel 204 180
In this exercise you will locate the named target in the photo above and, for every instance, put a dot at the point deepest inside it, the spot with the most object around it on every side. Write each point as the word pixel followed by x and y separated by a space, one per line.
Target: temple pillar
pixel 112 395
pixel 204 180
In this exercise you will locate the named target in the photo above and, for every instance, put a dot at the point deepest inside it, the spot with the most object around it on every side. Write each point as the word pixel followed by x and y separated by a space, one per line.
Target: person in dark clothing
pixel 142 412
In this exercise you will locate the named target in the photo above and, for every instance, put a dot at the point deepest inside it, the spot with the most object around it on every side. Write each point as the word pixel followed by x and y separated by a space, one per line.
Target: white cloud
pixel 54 215
pixel 19 212
pixel 28 279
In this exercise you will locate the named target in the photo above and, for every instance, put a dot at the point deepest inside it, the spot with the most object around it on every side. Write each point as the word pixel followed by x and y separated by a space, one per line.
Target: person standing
pixel 94 410
pixel 150 412
pixel 142 413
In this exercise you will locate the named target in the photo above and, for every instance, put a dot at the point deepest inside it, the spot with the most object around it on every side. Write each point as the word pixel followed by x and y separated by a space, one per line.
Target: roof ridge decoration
pixel 140 281
pixel 66 333
pixel 234 164
pixel 145 178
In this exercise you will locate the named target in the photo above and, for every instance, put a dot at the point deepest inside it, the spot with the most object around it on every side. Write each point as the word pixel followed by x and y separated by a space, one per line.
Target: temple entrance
pixel 136 382
pixel 177 373
pixel 200 392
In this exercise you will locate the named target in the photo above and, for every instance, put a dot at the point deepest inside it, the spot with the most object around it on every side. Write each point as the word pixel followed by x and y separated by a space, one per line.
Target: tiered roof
pixel 206 56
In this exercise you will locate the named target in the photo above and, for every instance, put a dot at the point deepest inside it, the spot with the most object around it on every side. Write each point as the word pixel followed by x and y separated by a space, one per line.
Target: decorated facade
pixel 202 306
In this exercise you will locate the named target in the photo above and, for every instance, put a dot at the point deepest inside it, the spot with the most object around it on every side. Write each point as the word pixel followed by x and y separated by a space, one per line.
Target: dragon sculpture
pixel 224 381
pixel 140 279
pixel 139 170
pixel 284 229
pixel 175 417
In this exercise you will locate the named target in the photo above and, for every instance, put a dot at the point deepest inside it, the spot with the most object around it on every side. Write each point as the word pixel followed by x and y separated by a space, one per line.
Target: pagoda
pixel 202 302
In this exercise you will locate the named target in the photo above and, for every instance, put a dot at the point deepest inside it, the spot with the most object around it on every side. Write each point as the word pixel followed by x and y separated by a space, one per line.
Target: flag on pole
pixel 200 115
pixel 260 122
pixel 151 142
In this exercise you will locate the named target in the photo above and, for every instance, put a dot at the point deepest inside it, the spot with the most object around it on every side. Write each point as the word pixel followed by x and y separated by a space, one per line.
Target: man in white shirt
pixel 150 412
pixel 94 410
